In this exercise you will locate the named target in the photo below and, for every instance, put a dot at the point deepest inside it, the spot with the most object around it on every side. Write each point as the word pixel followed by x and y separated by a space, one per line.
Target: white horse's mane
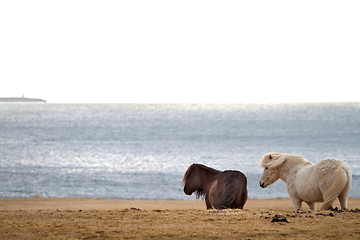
pixel 274 159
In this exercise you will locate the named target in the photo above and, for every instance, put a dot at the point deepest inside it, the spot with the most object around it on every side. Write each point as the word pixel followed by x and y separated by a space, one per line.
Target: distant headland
pixel 21 99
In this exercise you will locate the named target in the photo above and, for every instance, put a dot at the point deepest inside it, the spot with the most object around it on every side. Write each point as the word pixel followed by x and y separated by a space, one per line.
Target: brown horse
pixel 222 190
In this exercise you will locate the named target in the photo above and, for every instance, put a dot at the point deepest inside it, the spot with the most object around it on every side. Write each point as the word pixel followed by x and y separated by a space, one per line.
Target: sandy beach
pixel 79 218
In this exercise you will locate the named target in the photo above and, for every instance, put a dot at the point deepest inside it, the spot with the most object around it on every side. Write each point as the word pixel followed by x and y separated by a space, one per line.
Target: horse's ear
pixel 278 162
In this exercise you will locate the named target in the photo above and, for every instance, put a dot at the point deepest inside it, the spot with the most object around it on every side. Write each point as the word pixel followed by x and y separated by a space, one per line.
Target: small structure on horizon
pixel 22 99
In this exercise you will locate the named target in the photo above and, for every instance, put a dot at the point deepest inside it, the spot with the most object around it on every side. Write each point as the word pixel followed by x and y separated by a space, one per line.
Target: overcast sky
pixel 180 51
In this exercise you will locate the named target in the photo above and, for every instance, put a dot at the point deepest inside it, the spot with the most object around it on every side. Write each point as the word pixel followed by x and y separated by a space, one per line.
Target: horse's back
pixel 329 165
pixel 229 177
pixel 237 175
pixel 323 172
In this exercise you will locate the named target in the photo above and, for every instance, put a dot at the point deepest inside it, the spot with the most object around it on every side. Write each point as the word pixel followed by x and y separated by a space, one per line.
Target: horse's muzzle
pixel 262 184
pixel 186 191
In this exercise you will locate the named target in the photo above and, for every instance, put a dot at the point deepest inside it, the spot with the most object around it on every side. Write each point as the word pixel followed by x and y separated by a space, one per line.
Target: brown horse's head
pixel 192 181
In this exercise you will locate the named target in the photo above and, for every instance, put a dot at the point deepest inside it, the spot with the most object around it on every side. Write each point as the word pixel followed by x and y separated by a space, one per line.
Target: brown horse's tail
pixel 229 194
pixel 341 183
pixel 232 187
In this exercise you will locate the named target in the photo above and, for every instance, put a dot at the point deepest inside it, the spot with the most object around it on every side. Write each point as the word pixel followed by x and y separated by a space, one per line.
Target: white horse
pixel 323 182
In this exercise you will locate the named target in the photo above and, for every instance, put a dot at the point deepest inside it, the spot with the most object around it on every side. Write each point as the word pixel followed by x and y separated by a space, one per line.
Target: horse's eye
pixel 266 167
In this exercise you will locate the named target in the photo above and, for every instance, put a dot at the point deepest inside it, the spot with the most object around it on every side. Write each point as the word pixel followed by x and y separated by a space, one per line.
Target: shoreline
pixel 36 203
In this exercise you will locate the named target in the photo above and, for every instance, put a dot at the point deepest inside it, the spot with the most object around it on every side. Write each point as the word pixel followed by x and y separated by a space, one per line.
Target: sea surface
pixel 141 151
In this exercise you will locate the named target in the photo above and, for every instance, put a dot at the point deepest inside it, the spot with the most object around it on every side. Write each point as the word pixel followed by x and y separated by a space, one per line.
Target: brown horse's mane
pixel 199 192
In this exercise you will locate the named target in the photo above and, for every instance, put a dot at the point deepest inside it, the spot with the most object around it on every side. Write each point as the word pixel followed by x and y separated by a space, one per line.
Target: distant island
pixel 21 99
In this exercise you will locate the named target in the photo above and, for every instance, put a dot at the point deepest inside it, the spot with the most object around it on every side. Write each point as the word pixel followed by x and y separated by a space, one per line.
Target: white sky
pixel 180 51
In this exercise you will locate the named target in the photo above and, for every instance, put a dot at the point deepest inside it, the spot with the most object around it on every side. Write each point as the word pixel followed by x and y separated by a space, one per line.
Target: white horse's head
pixel 271 163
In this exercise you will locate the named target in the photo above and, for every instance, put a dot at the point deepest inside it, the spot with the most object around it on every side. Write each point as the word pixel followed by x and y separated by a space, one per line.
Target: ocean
pixel 141 151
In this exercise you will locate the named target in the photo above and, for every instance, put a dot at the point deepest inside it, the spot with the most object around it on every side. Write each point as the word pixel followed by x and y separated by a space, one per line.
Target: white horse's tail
pixel 341 183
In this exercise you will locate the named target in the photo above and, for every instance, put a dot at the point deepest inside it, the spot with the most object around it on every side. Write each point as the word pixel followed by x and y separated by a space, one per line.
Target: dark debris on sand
pixel 323 214
pixel 275 219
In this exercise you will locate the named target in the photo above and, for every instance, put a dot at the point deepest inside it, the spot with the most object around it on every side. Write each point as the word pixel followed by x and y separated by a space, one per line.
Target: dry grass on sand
pixel 85 219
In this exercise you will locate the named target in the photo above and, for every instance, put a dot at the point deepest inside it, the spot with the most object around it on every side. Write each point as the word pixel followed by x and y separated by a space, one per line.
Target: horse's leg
pixel 240 205
pixel 236 203
pixel 311 205
pixel 297 202
pixel 243 199
pixel 208 205
pixel 343 198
